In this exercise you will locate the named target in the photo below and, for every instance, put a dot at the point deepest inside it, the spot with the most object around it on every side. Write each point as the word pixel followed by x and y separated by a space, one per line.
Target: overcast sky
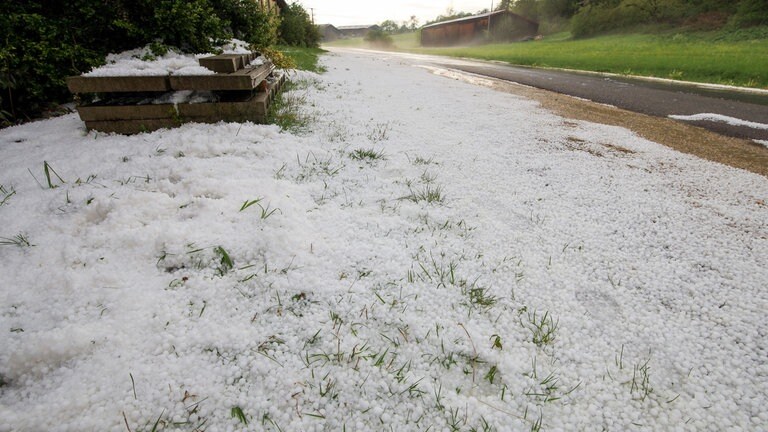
pixel 354 12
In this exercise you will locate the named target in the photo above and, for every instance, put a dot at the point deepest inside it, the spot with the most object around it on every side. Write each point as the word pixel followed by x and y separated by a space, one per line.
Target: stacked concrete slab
pixel 240 92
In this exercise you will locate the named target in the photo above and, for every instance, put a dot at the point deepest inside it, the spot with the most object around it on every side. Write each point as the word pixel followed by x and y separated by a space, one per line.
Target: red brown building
pixel 488 27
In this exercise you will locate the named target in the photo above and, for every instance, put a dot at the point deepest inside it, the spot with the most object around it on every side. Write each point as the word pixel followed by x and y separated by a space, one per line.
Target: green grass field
pixel 740 60
pixel 305 58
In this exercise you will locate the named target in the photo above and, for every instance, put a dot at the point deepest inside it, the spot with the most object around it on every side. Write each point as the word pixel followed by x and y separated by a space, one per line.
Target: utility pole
pixel 313 14
pixel 489 20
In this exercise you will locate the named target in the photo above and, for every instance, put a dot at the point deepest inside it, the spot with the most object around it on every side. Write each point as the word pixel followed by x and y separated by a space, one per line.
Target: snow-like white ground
pixel 720 119
pixel 143 62
pixel 565 276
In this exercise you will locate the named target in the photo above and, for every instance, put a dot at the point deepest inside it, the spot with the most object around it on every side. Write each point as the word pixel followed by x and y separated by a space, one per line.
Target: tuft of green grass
pixel 50 181
pixel 265 418
pixel 380 132
pixel 443 273
pixel 496 342
pixel 328 389
pixel 427 178
pixel 19 240
pixel 280 172
pixel 491 375
pixel 537 425
pixel 369 154
pixel 88 180
pixel 455 420
pixel 133 386
pixel 286 109
pixel 641 379
pixel 47 170
pixel 619 358
pixel 237 412
pixel 225 261
pixel 428 193
pixel 543 328
pixel 480 297
pixel 6 194
pixel 418 160
pixel 314 167
pixel 157 426
pixel 249 203
pixel 266 212
pixel 547 389
pixel 484 426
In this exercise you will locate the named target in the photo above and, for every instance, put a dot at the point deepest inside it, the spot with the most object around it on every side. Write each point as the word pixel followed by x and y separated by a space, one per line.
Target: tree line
pixel 589 17
pixel 44 41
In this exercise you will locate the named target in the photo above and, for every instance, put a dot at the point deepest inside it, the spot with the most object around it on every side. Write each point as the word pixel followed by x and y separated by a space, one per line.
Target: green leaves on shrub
pixel 44 42
pixel 378 38
pixel 296 28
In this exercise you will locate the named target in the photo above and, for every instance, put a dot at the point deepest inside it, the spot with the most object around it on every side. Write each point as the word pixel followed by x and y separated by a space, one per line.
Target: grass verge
pixel 305 58
pixel 285 111
pixel 710 57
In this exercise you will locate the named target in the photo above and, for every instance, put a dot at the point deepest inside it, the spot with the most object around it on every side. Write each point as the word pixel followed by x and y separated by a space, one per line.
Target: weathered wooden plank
pixel 271 89
pixel 124 119
pixel 221 63
pixel 130 127
pixel 229 111
pixel 243 79
pixel 86 84
pixel 239 109
pixel 126 112
pixel 134 119
pixel 225 63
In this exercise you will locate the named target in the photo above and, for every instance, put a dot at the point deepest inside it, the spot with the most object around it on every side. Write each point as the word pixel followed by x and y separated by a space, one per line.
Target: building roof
pixel 476 17
pixel 329 28
pixel 357 27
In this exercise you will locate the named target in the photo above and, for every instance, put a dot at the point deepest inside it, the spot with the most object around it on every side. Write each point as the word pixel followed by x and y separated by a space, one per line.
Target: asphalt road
pixel 654 98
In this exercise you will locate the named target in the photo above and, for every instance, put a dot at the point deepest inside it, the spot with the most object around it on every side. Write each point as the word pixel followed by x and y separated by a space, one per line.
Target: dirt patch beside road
pixel 685 138
pixel 738 153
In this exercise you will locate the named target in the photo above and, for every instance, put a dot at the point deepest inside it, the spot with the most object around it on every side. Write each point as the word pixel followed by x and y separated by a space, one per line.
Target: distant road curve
pixel 740 113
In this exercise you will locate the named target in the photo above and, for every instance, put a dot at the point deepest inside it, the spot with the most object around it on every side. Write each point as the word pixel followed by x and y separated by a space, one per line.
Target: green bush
pixel 704 6
pixel 549 9
pixel 608 15
pixel 45 41
pixel 751 13
pixel 296 28
pixel 526 8
pixel 246 21
pixel 190 25
pixel 40 51
pixel 379 39
pixel 600 18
